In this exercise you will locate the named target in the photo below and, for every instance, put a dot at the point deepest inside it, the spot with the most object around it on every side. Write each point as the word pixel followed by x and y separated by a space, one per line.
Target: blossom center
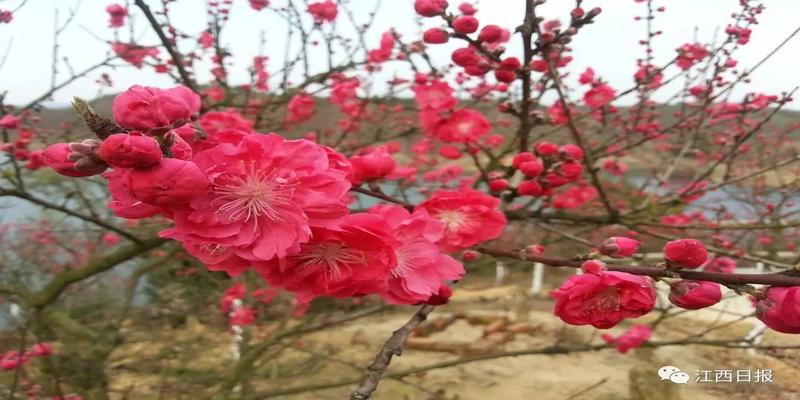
pixel 606 300
pixel 212 249
pixel 453 220
pixel 333 257
pixel 258 194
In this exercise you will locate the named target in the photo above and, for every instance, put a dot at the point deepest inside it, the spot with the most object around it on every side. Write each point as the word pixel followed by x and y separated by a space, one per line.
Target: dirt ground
pixel 480 321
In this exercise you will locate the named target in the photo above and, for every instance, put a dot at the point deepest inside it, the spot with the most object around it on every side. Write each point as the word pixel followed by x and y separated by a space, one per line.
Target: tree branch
pixel 177 59
pixel 60 282
pixel 392 347
pixel 774 279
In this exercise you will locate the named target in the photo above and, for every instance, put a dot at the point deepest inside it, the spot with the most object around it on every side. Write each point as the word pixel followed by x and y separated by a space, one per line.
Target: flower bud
pixel 435 36
pixel 685 253
pixel 505 76
pixel 532 168
pixel 619 247
pixel 9 122
pixel 74 159
pixel 546 149
pixel 694 295
pixel 450 152
pixel 498 185
pixel 510 63
pixel 465 57
pixel 720 264
pixel 374 165
pixel 593 266
pixel 130 151
pixel 529 188
pixel 521 158
pixel 570 170
pixel 430 8
pixel 536 249
pixel 42 349
pixel 779 307
pixel 571 152
pixel 470 255
pixel 632 338
pixel 490 34
pixel 441 297
pixel 179 147
pixel 465 24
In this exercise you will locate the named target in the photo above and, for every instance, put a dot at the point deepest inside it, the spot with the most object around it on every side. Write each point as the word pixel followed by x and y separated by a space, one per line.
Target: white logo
pixel 673 374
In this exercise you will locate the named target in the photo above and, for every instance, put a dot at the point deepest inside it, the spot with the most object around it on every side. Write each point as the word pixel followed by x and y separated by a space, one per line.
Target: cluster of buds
pixel 550 166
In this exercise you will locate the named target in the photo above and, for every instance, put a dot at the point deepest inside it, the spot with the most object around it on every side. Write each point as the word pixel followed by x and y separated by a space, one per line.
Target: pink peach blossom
pixel 351 259
pixel 133 53
pixel 631 339
pixel 603 299
pixel 301 108
pixel 122 203
pixel 265 195
pixel 323 11
pixel 421 268
pixel 470 217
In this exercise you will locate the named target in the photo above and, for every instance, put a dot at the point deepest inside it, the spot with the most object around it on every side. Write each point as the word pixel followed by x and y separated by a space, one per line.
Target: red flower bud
pixel 529 188
pixel 532 168
pixel 435 36
pixel 593 266
pixel 694 295
pixel 510 63
pixel 442 297
pixel 570 170
pixel 479 69
pixel 546 149
pixel 571 152
pixel 505 76
pixel 779 307
pixel 470 255
pixel 450 152
pixel 465 56
pixel 490 34
pixel 130 151
pixel 619 247
pixel 466 24
pixel 521 158
pixel 430 8
pixel 64 159
pixel 498 185
pixel 686 253
pixel 9 122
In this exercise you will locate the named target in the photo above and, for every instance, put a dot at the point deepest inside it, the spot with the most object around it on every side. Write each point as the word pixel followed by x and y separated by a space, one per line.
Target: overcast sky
pixel 609 46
